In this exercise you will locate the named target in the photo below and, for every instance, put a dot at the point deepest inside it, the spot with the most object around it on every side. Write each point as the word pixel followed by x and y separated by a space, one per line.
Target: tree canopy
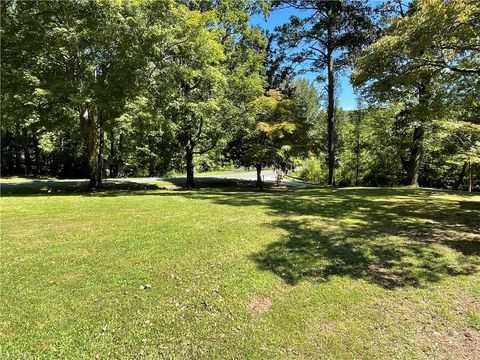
pixel 160 86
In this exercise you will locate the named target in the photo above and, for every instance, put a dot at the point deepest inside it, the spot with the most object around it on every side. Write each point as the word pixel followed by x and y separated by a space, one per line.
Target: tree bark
pixel 189 160
pixel 26 152
pixel 331 111
pixel 357 147
pixel 416 151
pixel 28 160
pixel 112 143
pixel 17 152
pixel 460 177
pixel 101 139
pixel 90 130
pixel 151 160
pixel 37 156
pixel 259 176
pixel 470 177
pixel 151 166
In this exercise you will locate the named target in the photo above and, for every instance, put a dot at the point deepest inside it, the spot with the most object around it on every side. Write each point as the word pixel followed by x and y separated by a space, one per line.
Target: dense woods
pixel 144 88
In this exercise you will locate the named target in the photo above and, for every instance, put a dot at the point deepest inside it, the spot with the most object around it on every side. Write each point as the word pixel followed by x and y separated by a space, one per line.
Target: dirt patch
pixel 259 305
pixel 452 344
pixel 442 339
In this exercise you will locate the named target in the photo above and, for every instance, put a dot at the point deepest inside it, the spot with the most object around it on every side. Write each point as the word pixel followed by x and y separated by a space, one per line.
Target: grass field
pixel 233 273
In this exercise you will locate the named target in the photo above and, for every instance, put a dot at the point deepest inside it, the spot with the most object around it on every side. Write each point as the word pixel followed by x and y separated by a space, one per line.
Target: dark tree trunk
pixel 331 112
pixel 112 143
pixel 120 146
pixel 151 167
pixel 26 152
pixel 37 156
pixel 460 177
pixel 416 151
pixel 189 159
pixel 18 168
pixel 101 146
pixel 152 160
pixel 470 177
pixel 8 159
pixel 259 176
pixel 90 129
pixel 18 161
pixel 28 160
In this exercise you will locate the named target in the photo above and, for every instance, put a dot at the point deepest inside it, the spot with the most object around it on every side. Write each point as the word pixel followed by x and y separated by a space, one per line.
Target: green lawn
pixel 237 274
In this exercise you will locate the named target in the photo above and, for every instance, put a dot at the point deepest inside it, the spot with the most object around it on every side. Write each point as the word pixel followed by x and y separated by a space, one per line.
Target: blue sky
pixel 281 16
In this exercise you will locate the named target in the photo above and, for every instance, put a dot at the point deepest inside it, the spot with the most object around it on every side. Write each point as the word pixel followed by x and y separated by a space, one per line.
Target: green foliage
pixel 158 85
pixel 278 130
pixel 311 170
pixel 427 65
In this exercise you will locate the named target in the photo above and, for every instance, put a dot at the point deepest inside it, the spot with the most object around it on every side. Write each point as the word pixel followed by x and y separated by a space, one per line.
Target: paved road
pixel 268 176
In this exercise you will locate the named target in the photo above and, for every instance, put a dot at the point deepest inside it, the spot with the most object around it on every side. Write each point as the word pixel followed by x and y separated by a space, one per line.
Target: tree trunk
pixel 259 176
pixel 120 146
pixel 331 113
pixel 37 156
pixel 470 177
pixel 90 129
pixel 151 167
pixel 357 149
pixel 28 161
pixel 151 160
pixel 416 150
pixel 18 161
pixel 112 143
pixel 460 177
pixel 18 168
pixel 189 158
pixel 26 152
pixel 101 144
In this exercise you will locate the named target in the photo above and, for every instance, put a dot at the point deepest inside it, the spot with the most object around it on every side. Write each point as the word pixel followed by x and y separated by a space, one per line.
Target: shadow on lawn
pixel 392 237
pixel 121 188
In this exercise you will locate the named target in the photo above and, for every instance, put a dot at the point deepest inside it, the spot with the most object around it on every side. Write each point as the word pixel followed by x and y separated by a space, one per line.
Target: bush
pixel 377 180
pixel 345 182
pixel 312 170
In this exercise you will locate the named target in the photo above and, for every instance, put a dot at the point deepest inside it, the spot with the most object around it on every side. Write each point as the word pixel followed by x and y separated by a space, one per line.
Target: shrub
pixel 312 170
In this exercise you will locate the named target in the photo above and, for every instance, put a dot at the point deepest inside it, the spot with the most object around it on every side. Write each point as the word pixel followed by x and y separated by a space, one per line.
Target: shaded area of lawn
pixel 390 242
pixel 112 187
pixel 390 237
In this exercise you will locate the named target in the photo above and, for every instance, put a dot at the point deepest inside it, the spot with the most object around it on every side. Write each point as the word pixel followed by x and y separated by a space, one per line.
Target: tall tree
pixel 412 62
pixel 209 74
pixel 268 138
pixel 324 36
pixel 83 59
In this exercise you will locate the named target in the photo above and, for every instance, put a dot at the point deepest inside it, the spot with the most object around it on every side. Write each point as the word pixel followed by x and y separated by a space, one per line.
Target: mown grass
pixel 235 273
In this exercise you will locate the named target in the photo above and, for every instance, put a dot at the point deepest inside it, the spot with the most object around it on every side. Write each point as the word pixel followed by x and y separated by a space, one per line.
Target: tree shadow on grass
pixel 308 253
pixel 120 188
pixel 389 237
